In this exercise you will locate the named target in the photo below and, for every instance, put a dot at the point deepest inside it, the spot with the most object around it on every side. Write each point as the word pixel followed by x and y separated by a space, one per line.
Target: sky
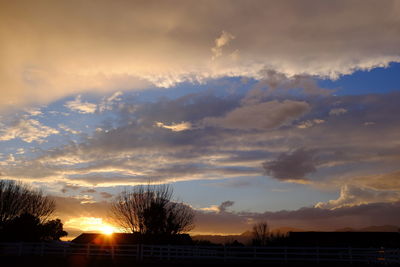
pixel 278 111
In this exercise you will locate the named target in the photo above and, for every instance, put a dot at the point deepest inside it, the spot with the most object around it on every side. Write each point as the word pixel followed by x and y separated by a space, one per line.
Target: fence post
pixel 285 254
pixel 141 248
pixel 398 255
pixel 41 249
pixel 254 252
pixel 112 252
pixel 20 249
pixel 88 250
pixel 317 254
pixel 168 251
pixel 351 255
pixel 224 253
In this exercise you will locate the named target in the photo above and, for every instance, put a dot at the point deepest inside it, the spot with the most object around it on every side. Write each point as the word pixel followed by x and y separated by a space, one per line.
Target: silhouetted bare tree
pixel 17 199
pixel 24 214
pixel 150 210
pixel 260 234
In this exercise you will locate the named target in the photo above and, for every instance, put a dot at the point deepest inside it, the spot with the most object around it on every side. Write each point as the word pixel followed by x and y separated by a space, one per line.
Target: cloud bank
pixel 52 49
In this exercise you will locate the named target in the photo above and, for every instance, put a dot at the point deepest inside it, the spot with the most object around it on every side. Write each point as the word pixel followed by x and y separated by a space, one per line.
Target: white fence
pixel 222 253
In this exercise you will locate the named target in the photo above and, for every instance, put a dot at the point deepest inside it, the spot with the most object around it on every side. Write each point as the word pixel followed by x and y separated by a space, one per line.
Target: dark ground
pixel 82 261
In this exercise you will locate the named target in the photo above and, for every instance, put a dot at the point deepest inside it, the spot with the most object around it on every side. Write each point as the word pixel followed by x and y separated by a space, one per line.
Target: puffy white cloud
pixel 79 106
pixel 28 130
pixel 355 196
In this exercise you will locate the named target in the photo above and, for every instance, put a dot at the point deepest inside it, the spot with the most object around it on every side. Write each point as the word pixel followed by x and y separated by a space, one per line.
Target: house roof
pixel 131 238
pixel 115 238
pixel 361 239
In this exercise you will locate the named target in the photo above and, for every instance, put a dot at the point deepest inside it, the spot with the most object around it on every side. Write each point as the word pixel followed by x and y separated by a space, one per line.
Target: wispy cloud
pixel 175 127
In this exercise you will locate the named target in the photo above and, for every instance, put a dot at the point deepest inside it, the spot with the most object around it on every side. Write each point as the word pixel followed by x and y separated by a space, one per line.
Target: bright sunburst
pixel 91 224
pixel 107 229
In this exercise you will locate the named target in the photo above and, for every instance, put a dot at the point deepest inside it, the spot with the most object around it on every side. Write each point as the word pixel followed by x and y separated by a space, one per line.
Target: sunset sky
pixel 285 111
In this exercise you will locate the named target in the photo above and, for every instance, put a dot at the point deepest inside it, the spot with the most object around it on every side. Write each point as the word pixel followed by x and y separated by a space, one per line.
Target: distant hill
pixel 285 230
pixel 374 228
pixel 382 228
pixel 246 237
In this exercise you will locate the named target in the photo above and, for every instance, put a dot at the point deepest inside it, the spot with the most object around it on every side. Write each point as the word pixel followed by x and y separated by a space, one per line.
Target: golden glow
pixel 91 224
pixel 107 229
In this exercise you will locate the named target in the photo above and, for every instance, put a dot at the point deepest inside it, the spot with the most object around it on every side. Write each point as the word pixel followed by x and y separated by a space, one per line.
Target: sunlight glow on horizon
pixel 92 224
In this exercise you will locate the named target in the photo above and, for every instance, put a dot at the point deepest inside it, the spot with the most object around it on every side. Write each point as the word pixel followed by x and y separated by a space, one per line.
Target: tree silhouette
pixel 25 227
pixel 17 199
pixel 260 234
pixel 150 210
pixel 24 214
pixel 53 230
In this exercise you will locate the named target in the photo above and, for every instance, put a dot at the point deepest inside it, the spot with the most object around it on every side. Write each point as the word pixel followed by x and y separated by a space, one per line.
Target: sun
pixel 107 229
pixel 93 225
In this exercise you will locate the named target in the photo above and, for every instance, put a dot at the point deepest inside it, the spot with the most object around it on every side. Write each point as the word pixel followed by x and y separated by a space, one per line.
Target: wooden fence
pixel 221 253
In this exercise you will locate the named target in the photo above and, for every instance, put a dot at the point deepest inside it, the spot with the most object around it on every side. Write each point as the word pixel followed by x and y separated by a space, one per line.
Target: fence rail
pixel 223 253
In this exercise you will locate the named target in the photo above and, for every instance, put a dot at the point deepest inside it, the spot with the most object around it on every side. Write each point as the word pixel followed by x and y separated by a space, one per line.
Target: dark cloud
pixel 308 218
pixel 224 205
pixel 90 191
pixel 69 187
pixel 292 166
pixel 260 116
pixel 106 195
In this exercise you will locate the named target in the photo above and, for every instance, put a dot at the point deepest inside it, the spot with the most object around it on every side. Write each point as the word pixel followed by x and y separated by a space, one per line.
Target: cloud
pixel 28 130
pixel 84 199
pixel 224 205
pixel 67 129
pixel 81 107
pixel 292 166
pixel 220 42
pixel 309 123
pixel 355 196
pixel 260 116
pixel 175 127
pixel 108 102
pixel 106 195
pixel 307 218
pixel 339 151
pixel 89 191
pixel 380 181
pixel 68 207
pixel 337 111
pixel 133 45
pixel 33 112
